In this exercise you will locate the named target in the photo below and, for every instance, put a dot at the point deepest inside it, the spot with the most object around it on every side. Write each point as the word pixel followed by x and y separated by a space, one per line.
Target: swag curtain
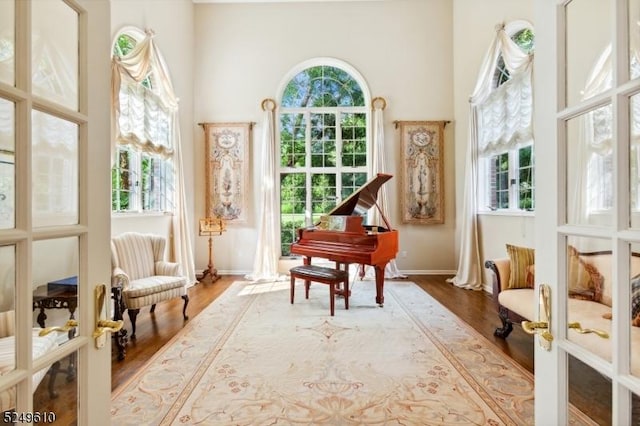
pixel 160 106
pixel 265 266
pixel 482 107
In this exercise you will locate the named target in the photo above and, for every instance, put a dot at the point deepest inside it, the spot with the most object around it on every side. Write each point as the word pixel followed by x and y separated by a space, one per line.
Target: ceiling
pixel 275 1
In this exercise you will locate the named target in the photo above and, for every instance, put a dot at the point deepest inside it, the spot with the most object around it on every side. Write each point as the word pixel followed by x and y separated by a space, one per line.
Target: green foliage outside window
pixel 309 146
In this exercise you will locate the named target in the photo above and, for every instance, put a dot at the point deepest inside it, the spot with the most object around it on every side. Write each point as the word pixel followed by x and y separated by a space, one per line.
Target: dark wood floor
pixel 153 331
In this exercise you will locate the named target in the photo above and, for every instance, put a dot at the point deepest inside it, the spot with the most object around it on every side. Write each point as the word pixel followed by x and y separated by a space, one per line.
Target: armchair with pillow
pixel 589 285
pixel 144 276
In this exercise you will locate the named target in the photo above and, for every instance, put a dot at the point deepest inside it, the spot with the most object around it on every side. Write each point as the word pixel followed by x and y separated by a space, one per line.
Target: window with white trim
pixel 323 122
pixel 143 172
pixel 506 161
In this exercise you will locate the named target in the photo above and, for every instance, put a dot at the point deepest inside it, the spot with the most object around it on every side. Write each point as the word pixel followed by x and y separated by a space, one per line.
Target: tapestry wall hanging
pixel 226 169
pixel 422 184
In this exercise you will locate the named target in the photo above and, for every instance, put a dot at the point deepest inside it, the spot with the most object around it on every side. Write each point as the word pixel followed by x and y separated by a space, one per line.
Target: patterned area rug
pixel 252 358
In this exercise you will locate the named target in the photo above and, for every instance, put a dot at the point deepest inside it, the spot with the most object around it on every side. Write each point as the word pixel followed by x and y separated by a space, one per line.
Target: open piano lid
pixel 359 202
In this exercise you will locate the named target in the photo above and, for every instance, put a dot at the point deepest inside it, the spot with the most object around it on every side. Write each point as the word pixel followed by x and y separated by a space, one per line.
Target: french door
pixel 587 129
pixel 54 210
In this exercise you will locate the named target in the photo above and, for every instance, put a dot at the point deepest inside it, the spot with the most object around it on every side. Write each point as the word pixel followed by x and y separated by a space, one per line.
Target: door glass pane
pixel 589 287
pixel 7 42
pixel 56 397
pixel 55 284
pixel 590 168
pixel 634 39
pixel 590 391
pixel 7 163
pixel 55 171
pixel 634 308
pixel 634 161
pixel 588 49
pixel 7 308
pixel 55 52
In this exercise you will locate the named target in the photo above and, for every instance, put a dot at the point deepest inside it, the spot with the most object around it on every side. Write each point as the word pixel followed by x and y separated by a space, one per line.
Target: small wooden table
pixel 63 294
pixel 58 297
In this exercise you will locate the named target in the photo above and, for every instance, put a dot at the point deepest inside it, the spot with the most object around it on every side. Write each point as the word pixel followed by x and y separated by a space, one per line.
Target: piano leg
pixel 380 283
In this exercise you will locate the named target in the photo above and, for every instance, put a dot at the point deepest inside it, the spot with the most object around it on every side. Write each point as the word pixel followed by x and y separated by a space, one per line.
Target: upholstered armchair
pixel 144 276
pixel 41 345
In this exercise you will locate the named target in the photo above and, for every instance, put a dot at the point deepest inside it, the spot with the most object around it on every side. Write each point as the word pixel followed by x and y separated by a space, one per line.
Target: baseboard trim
pixel 406 272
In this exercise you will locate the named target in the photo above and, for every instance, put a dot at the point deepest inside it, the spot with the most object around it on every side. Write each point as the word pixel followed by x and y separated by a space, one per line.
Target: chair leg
pixel 332 298
pixel 153 308
pixel 346 293
pixel 133 313
pixel 184 309
pixel 53 372
pixel 293 284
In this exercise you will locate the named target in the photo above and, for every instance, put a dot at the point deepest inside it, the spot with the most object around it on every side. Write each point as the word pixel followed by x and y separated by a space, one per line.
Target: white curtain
pixel 143 60
pixel 469 274
pixel 265 265
pixel 391 271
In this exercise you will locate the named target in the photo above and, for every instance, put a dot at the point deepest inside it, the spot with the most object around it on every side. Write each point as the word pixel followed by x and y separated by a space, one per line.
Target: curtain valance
pixel 131 100
pixel 506 115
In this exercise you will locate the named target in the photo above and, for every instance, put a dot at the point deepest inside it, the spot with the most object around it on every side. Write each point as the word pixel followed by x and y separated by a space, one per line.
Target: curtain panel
pixel 469 273
pixel 160 104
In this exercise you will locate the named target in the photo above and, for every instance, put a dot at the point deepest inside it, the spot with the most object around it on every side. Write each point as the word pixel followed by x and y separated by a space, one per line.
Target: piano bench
pixel 332 277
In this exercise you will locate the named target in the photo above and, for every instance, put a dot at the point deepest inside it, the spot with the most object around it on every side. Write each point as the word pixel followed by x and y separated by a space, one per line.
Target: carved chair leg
pixel 184 309
pixel 133 313
pixel 53 372
pixel 507 326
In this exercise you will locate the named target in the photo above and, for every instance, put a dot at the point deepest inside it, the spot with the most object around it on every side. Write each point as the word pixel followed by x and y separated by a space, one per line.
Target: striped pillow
pixel 521 258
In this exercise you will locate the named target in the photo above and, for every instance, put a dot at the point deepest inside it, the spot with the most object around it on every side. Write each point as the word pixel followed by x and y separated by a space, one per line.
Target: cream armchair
pixel 41 345
pixel 143 274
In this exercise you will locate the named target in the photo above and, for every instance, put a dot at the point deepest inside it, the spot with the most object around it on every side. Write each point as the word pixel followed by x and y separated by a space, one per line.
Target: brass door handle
pixel 105 326
pixel 542 327
pixel 578 328
pixel 538 327
pixel 65 328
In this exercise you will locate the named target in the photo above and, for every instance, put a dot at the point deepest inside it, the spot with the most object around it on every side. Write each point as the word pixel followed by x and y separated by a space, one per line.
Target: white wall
pixel 422 56
pixel 402 48
pixel 474 25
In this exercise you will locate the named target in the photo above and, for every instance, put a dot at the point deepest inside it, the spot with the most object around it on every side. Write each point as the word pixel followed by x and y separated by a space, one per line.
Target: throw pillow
pixel 582 278
pixel 531 276
pixel 635 302
pixel 520 258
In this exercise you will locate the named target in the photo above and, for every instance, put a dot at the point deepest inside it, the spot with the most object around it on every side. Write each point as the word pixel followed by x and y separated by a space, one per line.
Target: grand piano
pixel 341 237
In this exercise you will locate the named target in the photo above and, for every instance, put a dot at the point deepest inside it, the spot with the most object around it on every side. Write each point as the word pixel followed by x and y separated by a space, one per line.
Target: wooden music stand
pixel 211 226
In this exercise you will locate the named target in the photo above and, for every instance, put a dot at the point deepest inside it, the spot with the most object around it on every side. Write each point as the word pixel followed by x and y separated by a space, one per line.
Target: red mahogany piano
pixel 341 237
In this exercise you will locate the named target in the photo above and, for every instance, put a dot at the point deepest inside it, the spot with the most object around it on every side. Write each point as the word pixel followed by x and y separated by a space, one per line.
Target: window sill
pixel 139 214
pixel 523 213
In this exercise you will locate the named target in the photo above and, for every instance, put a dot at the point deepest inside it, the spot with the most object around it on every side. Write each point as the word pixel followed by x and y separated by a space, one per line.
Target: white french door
pixel 587 130
pixel 54 209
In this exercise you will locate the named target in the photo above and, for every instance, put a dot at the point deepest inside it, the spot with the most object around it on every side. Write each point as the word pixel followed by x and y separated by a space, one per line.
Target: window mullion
pixel 514 167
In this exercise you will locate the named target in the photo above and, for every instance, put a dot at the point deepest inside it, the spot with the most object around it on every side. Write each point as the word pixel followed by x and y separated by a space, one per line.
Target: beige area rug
pixel 252 358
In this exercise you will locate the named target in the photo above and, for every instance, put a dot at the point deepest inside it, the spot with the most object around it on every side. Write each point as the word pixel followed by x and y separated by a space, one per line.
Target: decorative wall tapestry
pixel 422 183
pixel 227 167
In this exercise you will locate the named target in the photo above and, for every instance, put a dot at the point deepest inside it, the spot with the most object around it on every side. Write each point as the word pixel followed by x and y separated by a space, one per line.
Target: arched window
pixel 505 136
pixel 324 155
pixel 143 172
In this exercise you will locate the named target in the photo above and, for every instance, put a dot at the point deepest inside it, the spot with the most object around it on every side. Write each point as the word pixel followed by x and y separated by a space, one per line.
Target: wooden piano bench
pixel 330 276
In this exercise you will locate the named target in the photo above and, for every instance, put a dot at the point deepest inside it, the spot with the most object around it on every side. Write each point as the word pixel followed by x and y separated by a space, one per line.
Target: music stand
pixel 211 226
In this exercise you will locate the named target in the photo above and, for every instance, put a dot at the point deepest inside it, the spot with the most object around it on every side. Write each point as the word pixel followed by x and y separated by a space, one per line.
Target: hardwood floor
pixel 154 331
